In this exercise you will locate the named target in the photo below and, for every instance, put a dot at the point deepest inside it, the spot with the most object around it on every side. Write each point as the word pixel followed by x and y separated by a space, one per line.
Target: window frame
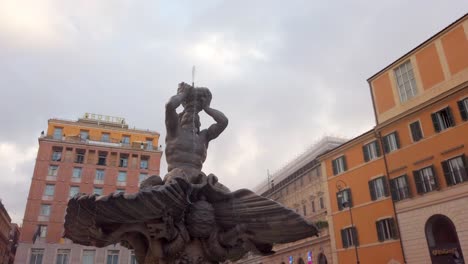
pixel 463 108
pixel 105 137
pixel 46 190
pixel 373 188
pixel 61 252
pixel 55 134
pixel 386 229
pixel 436 117
pixel 366 150
pixel 396 190
pixel 349 237
pixel 73 188
pixel 386 142
pixel 98 188
pixel 35 252
pixel 77 172
pixel 99 173
pixel 339 167
pixel 402 89
pixel 113 253
pixel 55 171
pixel 412 132
pixel 447 169
pixel 423 182
pixel 119 176
pixel 340 201
pixel 41 212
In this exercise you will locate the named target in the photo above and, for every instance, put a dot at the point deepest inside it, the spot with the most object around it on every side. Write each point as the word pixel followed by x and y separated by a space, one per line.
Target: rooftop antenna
pixel 193 76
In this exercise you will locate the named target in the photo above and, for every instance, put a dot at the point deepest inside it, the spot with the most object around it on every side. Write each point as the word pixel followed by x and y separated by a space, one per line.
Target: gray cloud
pixel 284 73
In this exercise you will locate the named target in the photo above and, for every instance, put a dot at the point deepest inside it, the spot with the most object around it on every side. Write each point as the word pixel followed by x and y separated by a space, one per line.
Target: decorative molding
pixel 398 169
pixel 452 149
pixel 423 160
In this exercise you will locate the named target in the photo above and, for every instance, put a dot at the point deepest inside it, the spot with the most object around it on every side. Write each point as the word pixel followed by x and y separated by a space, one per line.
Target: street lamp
pixel 340 185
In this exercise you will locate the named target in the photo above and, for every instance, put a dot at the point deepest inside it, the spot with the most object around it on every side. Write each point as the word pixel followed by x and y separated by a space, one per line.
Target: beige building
pixel 300 186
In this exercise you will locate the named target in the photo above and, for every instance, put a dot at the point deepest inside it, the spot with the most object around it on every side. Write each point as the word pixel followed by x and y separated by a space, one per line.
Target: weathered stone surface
pixel 189 217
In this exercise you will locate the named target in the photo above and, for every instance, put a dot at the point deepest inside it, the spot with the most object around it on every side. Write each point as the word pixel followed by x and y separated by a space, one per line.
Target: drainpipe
pixel 387 175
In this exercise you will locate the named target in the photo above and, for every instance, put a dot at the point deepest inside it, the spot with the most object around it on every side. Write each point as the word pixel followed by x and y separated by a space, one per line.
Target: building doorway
pixel 300 261
pixel 442 240
pixel 322 259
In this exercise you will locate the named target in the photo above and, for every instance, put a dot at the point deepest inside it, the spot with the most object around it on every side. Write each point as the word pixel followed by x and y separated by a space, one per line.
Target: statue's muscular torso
pixel 186 149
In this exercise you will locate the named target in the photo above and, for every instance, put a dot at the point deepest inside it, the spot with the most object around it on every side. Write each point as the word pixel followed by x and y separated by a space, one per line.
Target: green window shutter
pixel 435 122
pixel 344 163
pixel 418 181
pixel 372 190
pixel 377 147
pixel 378 226
pixel 447 174
pixel 461 107
pixel 366 153
pixel 350 198
pixel 397 139
pixel 385 185
pixel 335 170
pixel 408 189
pixel 355 236
pixel 385 144
pixel 394 228
pixel 343 238
pixel 393 190
pixel 436 178
pixel 450 116
pixel 465 168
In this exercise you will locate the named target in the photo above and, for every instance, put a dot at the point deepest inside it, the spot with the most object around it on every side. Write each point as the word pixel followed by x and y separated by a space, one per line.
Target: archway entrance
pixel 322 259
pixel 300 261
pixel 442 240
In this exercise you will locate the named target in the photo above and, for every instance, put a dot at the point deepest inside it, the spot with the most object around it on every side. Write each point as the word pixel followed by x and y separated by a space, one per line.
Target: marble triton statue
pixel 188 217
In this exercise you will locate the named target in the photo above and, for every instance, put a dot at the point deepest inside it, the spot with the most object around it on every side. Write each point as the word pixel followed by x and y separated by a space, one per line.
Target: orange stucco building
pixel 404 183
pixel 95 154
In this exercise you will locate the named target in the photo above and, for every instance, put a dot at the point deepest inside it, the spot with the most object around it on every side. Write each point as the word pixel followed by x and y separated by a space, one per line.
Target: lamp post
pixel 340 185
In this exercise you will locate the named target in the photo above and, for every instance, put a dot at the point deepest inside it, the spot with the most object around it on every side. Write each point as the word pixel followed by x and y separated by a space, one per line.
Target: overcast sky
pixel 285 73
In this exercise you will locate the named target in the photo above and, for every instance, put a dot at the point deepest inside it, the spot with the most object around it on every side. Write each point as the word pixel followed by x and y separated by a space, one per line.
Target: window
pixel 122 177
pixel 105 137
pixel 391 142
pixel 386 229
pixel 84 134
pixel 142 177
pixel 74 190
pixel 344 199
pixel 77 172
pixel 57 133
pixel 416 132
pixel 406 83
pixel 102 158
pixel 304 209
pixel 463 107
pixel 49 190
pixel 425 179
pixel 400 189
pixel 149 144
pixel 99 175
pixel 56 155
pixel 80 156
pixel 442 119
pixel 133 258
pixel 126 140
pixel 97 190
pixel 455 170
pixel 339 165
pixel 313 206
pixel 45 209
pixel 123 161
pixel 349 237
pixel 53 169
pixel 42 231
pixel 63 256
pixel 378 188
pixel 321 203
pixel 112 257
pixel 371 151
pixel 36 256
pixel 144 163
pixel 88 256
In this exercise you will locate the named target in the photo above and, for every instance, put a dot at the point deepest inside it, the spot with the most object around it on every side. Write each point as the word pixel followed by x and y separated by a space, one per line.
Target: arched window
pixel 322 259
pixel 442 240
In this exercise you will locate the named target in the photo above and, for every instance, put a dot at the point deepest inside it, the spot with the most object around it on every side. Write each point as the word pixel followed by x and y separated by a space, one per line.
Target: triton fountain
pixel 189 217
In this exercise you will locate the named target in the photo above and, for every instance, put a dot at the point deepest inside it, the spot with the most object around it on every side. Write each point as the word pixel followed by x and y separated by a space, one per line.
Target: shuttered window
pixel 463 107
pixel 386 229
pixel 442 119
pixel 391 142
pixel 349 237
pixel 416 132
pixel 339 165
pixel 344 199
pixel 455 170
pixel 378 188
pixel 371 151
pixel 399 188
pixel 425 180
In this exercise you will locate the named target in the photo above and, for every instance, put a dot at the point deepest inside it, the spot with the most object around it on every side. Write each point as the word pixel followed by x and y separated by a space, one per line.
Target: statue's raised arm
pixel 217 128
pixel 172 118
